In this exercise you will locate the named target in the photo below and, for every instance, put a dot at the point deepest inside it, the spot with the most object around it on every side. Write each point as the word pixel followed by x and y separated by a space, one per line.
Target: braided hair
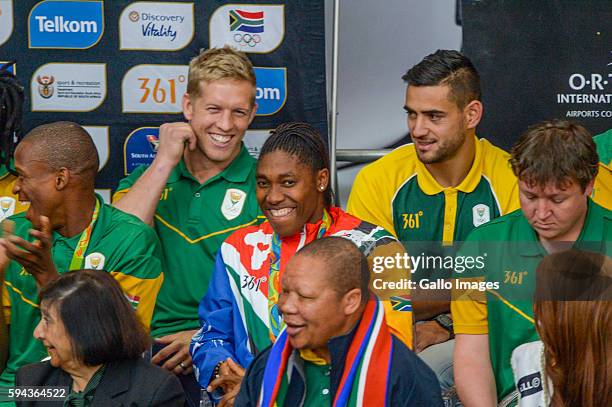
pixel 11 114
pixel 305 143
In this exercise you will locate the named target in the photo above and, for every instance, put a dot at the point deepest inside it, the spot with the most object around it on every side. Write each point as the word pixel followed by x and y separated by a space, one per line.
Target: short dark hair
pixel 302 141
pixel 447 67
pixel 555 151
pixel 347 266
pixel 65 144
pixel 101 325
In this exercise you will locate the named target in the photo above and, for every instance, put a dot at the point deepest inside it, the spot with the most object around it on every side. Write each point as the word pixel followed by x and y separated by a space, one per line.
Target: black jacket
pixel 412 383
pixel 125 383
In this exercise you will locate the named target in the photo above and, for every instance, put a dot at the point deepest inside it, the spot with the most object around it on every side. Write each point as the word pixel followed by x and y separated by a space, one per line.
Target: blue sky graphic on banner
pixel 66 24
pixel 271 90
pixel 140 148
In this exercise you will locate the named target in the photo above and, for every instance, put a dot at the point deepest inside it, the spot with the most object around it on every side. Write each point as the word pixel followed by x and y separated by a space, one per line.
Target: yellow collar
pixel 430 186
pixel 309 356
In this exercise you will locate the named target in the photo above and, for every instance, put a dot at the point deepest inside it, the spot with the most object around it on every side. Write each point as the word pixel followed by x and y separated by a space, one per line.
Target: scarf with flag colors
pixel 363 382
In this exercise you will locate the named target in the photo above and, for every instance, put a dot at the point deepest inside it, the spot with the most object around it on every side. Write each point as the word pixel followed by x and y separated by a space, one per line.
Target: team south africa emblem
pixel 7 207
pixel 480 214
pixel 233 202
pixel 95 261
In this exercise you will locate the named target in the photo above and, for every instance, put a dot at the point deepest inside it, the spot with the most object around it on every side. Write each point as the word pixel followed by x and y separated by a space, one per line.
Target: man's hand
pixel 229 379
pixel 176 352
pixel 35 257
pixel 429 333
pixel 172 140
pixel 142 198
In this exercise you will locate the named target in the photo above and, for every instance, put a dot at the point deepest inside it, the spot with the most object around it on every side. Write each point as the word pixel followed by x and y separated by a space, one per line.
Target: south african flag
pixel 245 21
pixel 134 300
pixel 401 303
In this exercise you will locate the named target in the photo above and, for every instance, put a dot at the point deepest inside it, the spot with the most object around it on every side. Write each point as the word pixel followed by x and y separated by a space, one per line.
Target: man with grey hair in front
pixel 67 227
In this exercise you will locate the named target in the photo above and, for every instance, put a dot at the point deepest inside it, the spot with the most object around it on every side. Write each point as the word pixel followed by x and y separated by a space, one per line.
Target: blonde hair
pixel 216 64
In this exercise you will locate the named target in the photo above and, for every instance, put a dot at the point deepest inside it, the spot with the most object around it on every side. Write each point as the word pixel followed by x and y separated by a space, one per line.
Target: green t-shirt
pixel 603 142
pixel 192 220
pixel 513 253
pixel 120 244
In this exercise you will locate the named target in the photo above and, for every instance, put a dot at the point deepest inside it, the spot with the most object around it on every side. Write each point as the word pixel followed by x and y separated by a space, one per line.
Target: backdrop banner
pixel 538 61
pixel 119 67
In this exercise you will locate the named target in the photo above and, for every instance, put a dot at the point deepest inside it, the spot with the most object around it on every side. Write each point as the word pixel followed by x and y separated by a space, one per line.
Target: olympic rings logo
pixel 247 39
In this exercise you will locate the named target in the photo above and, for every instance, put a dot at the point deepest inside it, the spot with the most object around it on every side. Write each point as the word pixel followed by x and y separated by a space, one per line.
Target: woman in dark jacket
pixel 95 343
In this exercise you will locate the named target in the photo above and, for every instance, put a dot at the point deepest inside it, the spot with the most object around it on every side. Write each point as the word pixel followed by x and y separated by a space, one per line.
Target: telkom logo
pixel 267 93
pixel 271 92
pixel 66 24
pixel 59 25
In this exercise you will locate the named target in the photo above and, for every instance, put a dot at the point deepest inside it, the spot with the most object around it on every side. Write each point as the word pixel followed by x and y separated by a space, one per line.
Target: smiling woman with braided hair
pixel 239 314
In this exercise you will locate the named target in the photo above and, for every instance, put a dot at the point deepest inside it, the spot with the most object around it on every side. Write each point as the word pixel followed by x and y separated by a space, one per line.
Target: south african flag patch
pixel 401 303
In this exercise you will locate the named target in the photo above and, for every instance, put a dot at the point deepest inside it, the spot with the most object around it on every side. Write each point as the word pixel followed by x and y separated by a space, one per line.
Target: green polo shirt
pixel 317 385
pixel 399 193
pixel 192 220
pixel 513 254
pixel 120 244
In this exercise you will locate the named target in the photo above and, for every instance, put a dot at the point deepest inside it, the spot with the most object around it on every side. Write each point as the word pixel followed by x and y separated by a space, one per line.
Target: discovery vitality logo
pixel 66 24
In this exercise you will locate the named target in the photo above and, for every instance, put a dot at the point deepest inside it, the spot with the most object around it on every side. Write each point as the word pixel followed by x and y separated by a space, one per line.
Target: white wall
pixel 379 41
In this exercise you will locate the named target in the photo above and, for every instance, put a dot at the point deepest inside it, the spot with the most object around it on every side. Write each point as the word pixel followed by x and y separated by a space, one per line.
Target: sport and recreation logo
pixel 68 87
pixel 45 85
pixel 156 25
pixel 66 24
pixel 250 28
pixel 6 20
pixel 271 92
pixel 140 148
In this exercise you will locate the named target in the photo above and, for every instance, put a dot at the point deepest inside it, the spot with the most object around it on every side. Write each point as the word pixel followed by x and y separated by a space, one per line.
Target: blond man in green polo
pixel 199 188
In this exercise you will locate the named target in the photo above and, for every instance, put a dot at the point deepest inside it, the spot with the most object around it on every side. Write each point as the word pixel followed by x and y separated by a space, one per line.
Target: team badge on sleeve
pixel 233 203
